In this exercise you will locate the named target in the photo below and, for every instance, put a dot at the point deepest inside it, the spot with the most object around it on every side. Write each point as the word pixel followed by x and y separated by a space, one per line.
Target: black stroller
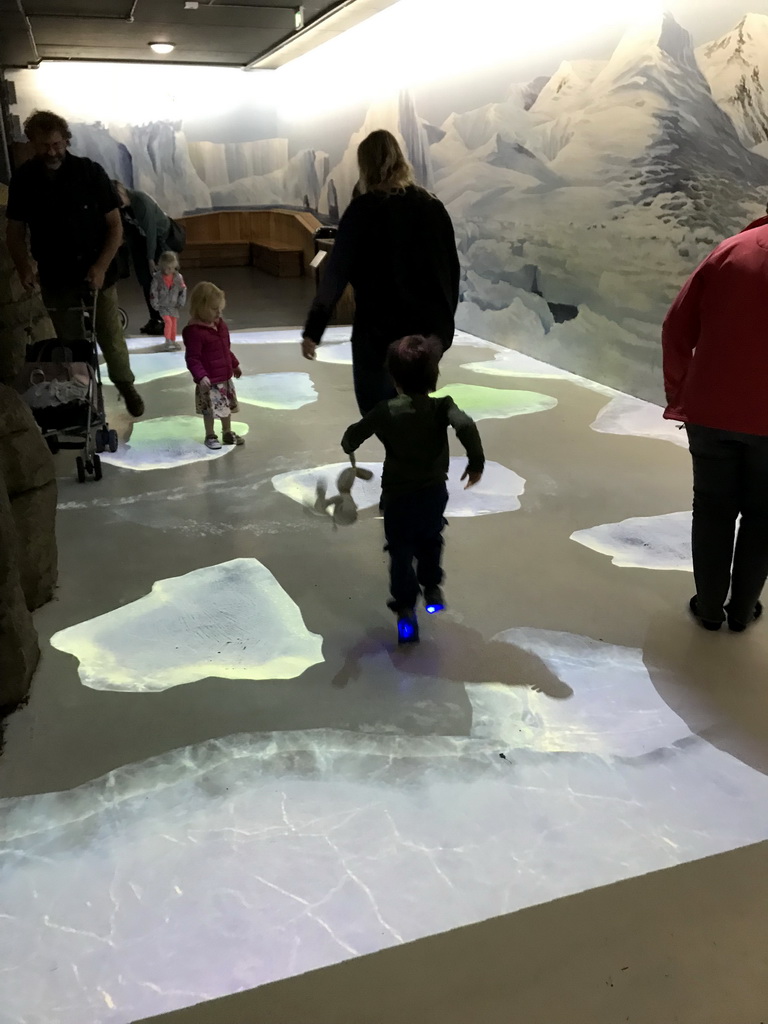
pixel 61 383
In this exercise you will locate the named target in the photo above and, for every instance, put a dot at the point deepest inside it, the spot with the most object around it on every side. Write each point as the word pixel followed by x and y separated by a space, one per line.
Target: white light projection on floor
pixel 277 390
pixel 498 491
pixel 167 442
pixel 206 849
pixel 341 354
pixel 286 336
pixel 495 403
pixel 626 415
pixel 149 366
pixel 509 363
pixel 644 542
pixel 337 354
pixel 603 718
pixel 230 621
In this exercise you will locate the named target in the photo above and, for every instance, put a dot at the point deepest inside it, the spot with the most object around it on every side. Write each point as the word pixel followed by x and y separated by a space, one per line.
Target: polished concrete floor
pixel 228 775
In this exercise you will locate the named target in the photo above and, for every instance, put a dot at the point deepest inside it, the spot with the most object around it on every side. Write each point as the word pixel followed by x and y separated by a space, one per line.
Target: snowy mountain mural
pixel 581 198
pixel 398 115
pixel 601 195
pixel 736 68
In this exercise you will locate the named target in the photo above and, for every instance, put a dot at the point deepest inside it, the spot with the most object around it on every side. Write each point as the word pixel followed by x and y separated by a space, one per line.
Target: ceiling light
pixel 162 47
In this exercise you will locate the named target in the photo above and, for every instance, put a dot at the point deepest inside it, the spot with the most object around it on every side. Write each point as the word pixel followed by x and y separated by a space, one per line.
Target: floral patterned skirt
pixel 220 401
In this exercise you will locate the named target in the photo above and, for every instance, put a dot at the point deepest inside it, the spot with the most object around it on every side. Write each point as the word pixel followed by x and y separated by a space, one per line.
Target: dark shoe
pixel 230 437
pixel 434 601
pixel 153 327
pixel 133 400
pixel 736 626
pixel 709 624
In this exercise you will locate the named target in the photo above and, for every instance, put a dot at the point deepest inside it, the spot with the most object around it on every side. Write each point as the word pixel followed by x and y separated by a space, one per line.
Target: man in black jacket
pixel 71 210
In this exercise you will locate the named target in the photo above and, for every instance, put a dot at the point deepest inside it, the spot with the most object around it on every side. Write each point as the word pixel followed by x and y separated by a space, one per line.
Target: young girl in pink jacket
pixel 212 363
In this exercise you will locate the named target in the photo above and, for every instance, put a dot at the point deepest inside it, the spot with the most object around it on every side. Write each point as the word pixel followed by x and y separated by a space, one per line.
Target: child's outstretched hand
pixel 471 478
pixel 237 373
pixel 205 383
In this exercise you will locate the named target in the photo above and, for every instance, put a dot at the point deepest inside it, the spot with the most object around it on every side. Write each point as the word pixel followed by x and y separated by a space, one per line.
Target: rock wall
pixel 28 554
pixel 22 316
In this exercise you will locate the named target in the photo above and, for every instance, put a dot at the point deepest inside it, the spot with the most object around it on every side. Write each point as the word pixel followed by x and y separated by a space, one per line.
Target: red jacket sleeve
pixel 680 335
pixel 235 361
pixel 193 352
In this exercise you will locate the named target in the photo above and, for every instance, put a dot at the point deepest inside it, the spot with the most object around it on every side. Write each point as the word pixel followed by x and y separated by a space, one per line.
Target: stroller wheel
pixel 80 466
pixel 96 468
pixel 53 444
pixel 113 441
pixel 100 440
pixel 123 317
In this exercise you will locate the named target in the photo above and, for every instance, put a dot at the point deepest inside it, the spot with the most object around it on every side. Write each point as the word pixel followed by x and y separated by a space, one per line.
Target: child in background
pixel 212 363
pixel 414 431
pixel 168 294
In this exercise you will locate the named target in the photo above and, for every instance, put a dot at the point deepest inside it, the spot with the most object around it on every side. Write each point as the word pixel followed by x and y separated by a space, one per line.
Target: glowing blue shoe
pixel 407 627
pixel 434 601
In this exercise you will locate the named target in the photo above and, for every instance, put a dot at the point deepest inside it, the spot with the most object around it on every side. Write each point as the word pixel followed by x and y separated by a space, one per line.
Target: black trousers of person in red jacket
pixel 730 479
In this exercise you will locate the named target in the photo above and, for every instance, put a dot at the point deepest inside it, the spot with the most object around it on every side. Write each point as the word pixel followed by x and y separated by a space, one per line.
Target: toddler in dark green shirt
pixel 413 427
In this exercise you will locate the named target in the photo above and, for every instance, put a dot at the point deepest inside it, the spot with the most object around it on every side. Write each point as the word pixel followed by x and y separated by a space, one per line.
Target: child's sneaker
pixel 230 437
pixel 407 623
pixel 407 628
pixel 434 601
pixel 212 442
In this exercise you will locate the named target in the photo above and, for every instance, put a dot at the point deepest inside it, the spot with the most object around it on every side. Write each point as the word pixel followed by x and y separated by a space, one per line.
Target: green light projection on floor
pixel 166 442
pixel 230 621
pixel 483 403
pixel 149 366
pixel 277 390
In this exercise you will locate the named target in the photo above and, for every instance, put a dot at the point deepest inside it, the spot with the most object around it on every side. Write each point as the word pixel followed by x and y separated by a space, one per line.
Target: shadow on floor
pixel 716 682
pixel 456 653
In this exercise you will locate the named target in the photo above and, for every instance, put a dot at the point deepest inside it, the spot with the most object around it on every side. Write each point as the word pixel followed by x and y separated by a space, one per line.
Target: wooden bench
pixel 277 258
pixel 216 254
pixel 279 242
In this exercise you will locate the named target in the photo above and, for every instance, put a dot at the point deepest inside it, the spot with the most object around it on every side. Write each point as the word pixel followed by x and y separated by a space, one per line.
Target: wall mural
pixel 581 199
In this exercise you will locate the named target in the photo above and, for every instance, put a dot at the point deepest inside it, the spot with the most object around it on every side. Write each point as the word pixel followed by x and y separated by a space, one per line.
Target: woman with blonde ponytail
pixel 396 247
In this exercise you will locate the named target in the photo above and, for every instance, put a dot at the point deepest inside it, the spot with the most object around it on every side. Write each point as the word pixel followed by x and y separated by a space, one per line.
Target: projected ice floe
pixel 645 542
pixel 604 716
pixel 231 621
pixel 166 442
pixel 339 354
pixel 509 363
pixel 206 849
pixel 495 403
pixel 625 415
pixel 277 390
pixel 498 491
pixel 286 336
pixel 149 366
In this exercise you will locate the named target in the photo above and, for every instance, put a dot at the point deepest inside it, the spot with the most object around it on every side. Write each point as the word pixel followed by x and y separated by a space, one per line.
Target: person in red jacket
pixel 212 363
pixel 715 346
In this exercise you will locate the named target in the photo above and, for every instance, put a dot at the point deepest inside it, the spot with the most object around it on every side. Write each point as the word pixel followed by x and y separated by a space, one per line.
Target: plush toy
pixel 343 504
